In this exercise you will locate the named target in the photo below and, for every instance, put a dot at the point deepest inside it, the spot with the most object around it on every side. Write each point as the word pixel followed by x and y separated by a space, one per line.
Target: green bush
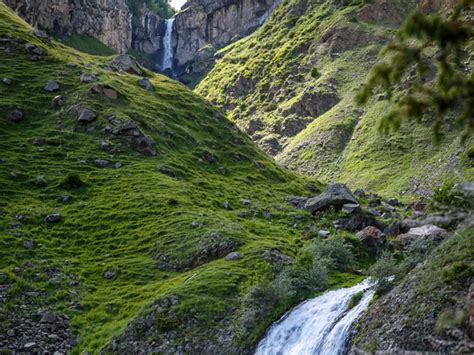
pixel 336 250
pixel 384 271
pixel 72 181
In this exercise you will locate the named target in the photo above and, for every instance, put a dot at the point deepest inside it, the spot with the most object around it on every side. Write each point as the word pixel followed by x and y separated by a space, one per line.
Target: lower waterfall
pixel 317 326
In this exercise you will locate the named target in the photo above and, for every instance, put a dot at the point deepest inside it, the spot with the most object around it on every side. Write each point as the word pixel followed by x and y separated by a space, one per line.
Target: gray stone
pixel 57 102
pixel 101 163
pixel 15 116
pixel 7 81
pixel 334 196
pixel 28 244
pixel 53 218
pixel 110 274
pixel 146 84
pixel 87 78
pixel 359 193
pixel 196 224
pixel 226 205
pixel 323 233
pixel 393 202
pixel 146 146
pixel 48 317
pixel 125 63
pixel 86 116
pixel 350 208
pixel 29 346
pixel 52 86
pixel 245 202
pixel 371 237
pixel 37 142
pixel 233 256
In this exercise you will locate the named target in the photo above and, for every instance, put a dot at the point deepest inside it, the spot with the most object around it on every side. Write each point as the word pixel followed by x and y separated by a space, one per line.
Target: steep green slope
pixel 131 233
pixel 429 309
pixel 291 86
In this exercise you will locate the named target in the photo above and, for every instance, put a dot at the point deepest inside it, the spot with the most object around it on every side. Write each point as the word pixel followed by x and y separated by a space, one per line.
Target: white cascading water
pixel 168 46
pixel 318 326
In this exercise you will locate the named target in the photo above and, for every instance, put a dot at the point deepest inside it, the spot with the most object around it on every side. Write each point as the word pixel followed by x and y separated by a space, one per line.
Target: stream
pixel 317 326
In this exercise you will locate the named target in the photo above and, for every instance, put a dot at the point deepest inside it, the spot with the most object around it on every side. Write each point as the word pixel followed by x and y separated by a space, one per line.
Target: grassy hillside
pixel 291 86
pixel 143 228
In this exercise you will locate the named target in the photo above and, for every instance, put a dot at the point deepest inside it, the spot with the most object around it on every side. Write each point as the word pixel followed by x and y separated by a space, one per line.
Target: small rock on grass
pixel 15 116
pixel 52 86
pixel 233 256
pixel 53 218
pixel 146 84
pixel 87 116
pixel 101 163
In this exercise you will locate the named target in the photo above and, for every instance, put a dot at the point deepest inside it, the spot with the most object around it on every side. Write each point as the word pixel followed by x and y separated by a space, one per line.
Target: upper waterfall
pixel 168 46
pixel 318 326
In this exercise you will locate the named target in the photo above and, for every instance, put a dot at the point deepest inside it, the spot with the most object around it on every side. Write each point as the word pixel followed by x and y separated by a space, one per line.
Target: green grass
pixel 128 219
pixel 88 44
pixel 276 65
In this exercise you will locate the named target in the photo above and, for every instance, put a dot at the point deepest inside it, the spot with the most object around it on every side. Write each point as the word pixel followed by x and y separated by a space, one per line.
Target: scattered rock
pixel 428 231
pixel 233 256
pixel 48 317
pixel 373 212
pixel 146 84
pixel 40 34
pixel 52 86
pixel 359 193
pixel 86 116
pixel 334 196
pixel 246 202
pixel 57 102
pixel 37 142
pixel 226 205
pixel 393 229
pixel 196 224
pixel 350 208
pixel 146 146
pixel 87 78
pixel 106 91
pixel 125 63
pixel 28 244
pixel 297 201
pixel 29 346
pixel 418 206
pixel 324 233
pixel 7 81
pixel 371 237
pixel 53 218
pixel 101 163
pixel 117 165
pixel 15 116
pixel 110 273
pixel 393 202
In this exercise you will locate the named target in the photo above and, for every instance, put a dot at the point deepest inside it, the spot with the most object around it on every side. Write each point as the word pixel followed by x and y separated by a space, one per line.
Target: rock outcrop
pixel 211 24
pixel 110 21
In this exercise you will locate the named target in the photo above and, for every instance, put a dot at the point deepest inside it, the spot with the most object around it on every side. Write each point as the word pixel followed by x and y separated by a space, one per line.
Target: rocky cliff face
pixel 206 25
pixel 110 21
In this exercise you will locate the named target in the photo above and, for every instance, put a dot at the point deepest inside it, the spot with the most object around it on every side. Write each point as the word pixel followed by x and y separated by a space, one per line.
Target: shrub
pixel 315 73
pixel 383 272
pixel 72 181
pixel 336 250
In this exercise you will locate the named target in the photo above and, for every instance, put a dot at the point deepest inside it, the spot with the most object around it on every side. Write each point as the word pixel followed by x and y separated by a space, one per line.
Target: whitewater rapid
pixel 317 326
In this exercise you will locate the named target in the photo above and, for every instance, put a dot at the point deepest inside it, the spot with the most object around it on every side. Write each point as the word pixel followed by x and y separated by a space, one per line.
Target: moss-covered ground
pixel 125 219
pixel 322 46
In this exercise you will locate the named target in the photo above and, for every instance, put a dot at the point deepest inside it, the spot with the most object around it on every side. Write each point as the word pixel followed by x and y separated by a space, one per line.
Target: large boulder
pixel 428 231
pixel 334 196
pixel 371 237
pixel 125 63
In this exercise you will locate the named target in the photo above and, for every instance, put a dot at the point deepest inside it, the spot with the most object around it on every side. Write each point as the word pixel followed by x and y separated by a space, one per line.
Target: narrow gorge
pixel 236 177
